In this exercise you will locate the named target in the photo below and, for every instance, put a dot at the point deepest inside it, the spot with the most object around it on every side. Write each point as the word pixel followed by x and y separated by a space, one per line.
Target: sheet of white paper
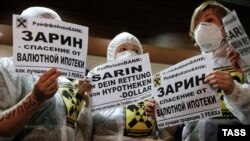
pixel 181 94
pixel 40 44
pixel 121 83
pixel 238 39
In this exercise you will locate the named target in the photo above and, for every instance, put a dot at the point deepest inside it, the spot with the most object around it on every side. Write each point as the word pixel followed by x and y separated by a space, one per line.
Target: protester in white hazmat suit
pixel 207 30
pixel 110 125
pixel 236 95
pixel 33 108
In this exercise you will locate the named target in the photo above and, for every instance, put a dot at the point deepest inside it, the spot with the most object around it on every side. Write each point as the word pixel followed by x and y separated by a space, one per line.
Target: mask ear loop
pixel 224 39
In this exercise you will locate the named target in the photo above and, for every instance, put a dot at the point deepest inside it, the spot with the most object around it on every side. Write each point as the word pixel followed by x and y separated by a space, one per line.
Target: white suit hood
pixel 121 38
pixel 40 12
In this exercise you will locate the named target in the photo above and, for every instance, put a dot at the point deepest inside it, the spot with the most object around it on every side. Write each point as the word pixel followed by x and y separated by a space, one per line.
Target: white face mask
pixel 208 36
pixel 125 54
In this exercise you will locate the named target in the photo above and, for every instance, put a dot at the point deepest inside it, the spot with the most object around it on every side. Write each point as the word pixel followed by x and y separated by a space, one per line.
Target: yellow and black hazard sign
pixel 137 124
pixel 72 100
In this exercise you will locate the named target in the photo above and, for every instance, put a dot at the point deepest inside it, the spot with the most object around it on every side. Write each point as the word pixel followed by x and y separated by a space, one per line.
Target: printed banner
pixel 40 44
pixel 121 83
pixel 181 94
pixel 238 39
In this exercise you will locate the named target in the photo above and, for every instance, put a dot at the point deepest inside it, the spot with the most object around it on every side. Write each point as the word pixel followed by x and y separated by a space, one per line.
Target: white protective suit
pixel 50 121
pixel 238 102
pixel 206 129
pixel 109 125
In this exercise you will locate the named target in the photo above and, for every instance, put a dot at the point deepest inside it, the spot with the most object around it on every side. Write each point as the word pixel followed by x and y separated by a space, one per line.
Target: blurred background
pixel 162 26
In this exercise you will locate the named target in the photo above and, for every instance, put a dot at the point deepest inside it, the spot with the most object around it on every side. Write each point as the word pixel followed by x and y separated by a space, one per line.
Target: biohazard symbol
pixel 157 80
pixel 136 119
pixel 73 102
pixel 21 23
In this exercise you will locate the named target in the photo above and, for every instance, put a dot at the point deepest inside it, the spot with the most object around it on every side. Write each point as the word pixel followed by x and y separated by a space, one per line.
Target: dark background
pixel 158 23
pixel 106 18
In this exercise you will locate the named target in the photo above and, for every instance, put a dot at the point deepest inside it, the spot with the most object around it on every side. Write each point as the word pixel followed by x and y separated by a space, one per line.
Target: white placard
pixel 238 39
pixel 181 94
pixel 121 83
pixel 40 44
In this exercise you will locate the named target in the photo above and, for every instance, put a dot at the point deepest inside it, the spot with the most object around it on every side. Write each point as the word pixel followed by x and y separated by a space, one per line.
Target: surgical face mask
pixel 208 36
pixel 125 54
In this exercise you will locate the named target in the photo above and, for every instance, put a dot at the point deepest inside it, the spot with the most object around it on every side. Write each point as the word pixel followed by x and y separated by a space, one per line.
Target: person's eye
pixel 122 49
pixel 136 51
pixel 210 20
